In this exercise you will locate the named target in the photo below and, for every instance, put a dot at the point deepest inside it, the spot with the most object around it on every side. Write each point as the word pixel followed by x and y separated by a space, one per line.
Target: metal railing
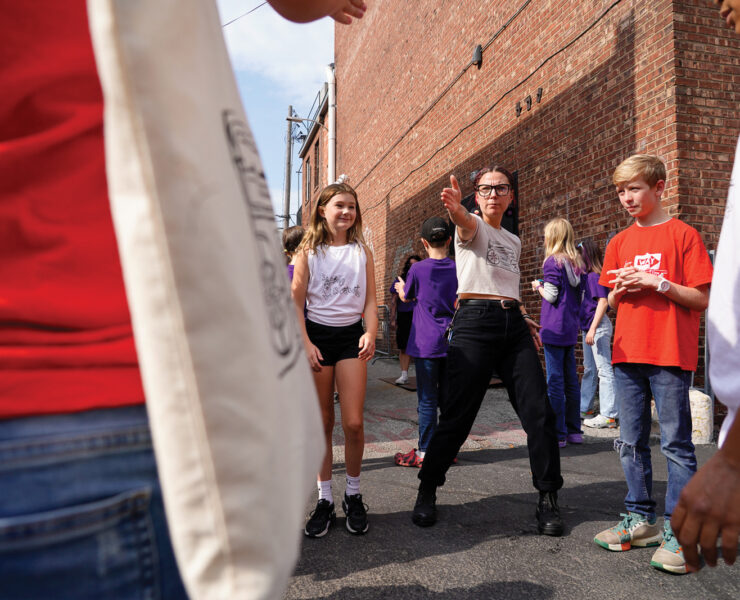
pixel 383 342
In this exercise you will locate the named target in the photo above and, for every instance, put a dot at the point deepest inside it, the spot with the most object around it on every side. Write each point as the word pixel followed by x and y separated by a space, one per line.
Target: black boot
pixel 425 511
pixel 548 514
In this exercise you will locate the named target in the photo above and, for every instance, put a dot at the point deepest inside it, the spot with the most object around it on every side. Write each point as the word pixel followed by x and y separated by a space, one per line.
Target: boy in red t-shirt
pixel 659 272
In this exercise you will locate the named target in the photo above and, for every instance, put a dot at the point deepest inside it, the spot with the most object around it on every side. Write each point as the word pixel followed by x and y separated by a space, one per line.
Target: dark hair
pixel 495 169
pixel 292 237
pixel 591 254
pixel 407 265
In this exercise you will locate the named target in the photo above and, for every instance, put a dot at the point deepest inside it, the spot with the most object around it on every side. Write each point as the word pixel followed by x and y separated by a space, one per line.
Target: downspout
pixel 332 114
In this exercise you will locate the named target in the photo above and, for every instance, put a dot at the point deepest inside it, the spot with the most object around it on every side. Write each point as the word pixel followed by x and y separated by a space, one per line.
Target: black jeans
pixel 485 337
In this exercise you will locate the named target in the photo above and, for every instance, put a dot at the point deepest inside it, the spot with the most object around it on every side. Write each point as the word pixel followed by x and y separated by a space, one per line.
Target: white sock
pixel 353 485
pixel 325 491
pixel 420 454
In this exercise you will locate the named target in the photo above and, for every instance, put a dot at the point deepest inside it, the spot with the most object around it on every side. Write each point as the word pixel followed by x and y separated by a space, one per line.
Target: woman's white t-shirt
pixel 488 263
pixel 337 284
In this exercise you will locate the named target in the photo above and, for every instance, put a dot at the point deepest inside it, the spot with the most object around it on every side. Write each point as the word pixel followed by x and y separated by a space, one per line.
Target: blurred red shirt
pixel 66 342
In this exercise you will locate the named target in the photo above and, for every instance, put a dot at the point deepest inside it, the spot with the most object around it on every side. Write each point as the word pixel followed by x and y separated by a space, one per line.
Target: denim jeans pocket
pixel 102 549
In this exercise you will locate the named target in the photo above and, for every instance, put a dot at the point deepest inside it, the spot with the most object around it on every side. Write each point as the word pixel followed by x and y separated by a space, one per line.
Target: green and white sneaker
pixel 669 557
pixel 633 530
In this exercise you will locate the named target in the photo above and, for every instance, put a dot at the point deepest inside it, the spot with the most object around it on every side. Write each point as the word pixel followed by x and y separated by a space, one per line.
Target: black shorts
pixel 403 329
pixel 335 343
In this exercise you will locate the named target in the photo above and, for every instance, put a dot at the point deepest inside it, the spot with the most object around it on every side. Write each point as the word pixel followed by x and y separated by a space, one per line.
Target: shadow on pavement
pixel 462 526
pixel 491 591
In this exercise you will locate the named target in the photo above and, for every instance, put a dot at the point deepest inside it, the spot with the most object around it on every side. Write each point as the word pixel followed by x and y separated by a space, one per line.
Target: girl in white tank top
pixel 334 276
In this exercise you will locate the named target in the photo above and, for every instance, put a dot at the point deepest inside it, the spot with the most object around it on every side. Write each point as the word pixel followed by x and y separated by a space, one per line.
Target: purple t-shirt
pixel 560 320
pixel 592 291
pixel 402 306
pixel 433 282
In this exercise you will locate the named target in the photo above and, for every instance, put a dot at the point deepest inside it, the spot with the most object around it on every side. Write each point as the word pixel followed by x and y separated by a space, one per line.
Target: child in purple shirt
pixel 433 283
pixel 561 298
pixel 597 337
pixel 401 315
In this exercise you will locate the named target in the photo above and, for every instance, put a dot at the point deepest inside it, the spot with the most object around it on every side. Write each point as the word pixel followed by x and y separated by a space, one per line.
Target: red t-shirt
pixel 66 342
pixel 651 328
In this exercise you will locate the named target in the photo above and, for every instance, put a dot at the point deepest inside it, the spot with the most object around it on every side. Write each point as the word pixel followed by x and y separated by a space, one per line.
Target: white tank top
pixel 337 284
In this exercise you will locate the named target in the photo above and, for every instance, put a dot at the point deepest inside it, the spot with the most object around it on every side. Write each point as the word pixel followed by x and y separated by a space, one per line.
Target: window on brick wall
pixel 316 165
pixel 307 172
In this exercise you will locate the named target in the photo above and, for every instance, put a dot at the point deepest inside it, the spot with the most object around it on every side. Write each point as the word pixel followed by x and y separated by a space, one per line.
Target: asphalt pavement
pixel 485 544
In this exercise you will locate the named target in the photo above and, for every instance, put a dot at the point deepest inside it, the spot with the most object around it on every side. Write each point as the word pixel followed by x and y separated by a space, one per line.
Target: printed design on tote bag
pixel 335 285
pixel 500 256
pixel 650 263
pixel 285 337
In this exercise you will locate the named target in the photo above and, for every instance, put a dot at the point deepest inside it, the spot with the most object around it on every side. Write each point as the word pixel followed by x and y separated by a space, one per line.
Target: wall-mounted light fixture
pixel 518 108
pixel 528 101
pixel 478 56
pixel 539 95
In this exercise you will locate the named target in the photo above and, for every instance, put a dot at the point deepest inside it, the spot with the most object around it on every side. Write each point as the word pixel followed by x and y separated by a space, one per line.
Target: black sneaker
pixel 548 514
pixel 322 516
pixel 425 509
pixel 356 512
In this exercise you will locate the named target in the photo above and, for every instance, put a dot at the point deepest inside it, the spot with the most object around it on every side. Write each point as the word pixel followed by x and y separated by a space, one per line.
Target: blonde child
pixel 334 275
pixel 659 274
pixel 561 297
pixel 597 342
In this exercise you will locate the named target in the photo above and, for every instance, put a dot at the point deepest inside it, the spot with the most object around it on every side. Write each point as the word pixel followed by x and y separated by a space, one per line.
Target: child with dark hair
pixel 292 237
pixel 432 283
pixel 597 340
pixel 401 315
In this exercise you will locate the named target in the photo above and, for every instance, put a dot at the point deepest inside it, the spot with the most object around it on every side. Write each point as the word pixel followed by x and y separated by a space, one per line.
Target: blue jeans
pixel 563 389
pixel 669 387
pixel 431 391
pixel 81 512
pixel 597 366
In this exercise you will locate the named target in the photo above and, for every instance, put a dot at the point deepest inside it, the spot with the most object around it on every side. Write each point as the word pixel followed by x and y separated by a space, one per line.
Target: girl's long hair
pixel 560 242
pixel 317 232
pixel 591 255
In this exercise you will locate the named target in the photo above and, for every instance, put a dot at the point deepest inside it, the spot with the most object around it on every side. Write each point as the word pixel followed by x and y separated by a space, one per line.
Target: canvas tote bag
pixel 234 416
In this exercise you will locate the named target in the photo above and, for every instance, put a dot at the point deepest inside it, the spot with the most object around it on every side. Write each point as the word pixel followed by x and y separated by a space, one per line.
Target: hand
pixel 399 285
pixel 349 9
pixel 314 356
pixel 630 279
pixel 709 506
pixel 452 197
pixel 536 285
pixel 303 11
pixel 533 327
pixel 367 347
pixel 590 337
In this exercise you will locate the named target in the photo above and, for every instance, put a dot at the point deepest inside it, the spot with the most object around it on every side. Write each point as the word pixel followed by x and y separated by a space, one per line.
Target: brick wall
pixel 616 78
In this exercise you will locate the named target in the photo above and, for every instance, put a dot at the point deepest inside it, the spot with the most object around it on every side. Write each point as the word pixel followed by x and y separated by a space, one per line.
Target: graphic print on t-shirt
pixel 500 256
pixel 649 263
pixel 337 286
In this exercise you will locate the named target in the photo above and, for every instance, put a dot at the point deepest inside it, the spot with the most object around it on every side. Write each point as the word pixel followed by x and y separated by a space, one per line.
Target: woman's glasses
pixel 502 189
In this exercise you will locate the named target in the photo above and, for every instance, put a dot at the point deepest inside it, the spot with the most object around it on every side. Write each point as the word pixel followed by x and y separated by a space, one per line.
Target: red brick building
pixel 566 90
